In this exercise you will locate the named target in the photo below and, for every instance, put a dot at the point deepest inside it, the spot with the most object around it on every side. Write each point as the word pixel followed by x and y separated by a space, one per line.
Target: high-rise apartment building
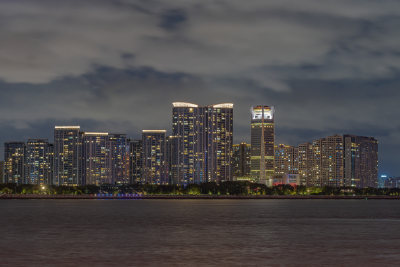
pixel 336 161
pixel 324 160
pixel 38 162
pixel 188 146
pixel 304 163
pixel 97 158
pixel 119 146
pixel 136 155
pixel 262 144
pixel 360 161
pixel 241 160
pixel 67 156
pixel 219 142
pixel 174 160
pixel 332 161
pixel 50 154
pixel 286 160
pixel 391 182
pixel 155 167
pixel 201 143
pixel 14 162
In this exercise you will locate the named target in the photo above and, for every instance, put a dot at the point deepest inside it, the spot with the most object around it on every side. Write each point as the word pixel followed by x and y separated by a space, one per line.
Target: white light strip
pixel 184 105
pixel 223 105
pixel 67 127
pixel 154 131
pixel 95 133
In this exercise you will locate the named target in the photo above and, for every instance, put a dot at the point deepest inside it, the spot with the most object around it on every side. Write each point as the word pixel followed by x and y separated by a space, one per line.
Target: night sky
pixel 327 66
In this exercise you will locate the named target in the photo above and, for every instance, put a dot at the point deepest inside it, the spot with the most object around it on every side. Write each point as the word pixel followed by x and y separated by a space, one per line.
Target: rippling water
pixel 199 232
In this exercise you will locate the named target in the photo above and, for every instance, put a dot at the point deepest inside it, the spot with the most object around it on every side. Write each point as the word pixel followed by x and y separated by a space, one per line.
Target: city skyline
pixel 330 68
pixel 200 149
pixel 198 133
pixel 189 114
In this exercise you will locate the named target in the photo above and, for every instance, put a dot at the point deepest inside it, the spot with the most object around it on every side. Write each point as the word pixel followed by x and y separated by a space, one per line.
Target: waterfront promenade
pixel 139 196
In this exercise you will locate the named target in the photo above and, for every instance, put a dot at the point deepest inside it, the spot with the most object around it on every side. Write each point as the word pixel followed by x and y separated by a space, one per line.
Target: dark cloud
pixel 329 67
pixel 172 19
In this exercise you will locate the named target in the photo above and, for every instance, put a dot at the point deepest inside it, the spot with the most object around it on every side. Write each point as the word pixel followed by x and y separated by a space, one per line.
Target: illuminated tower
pixel 262 143
pixel 119 146
pixel 155 167
pixel 219 134
pixel 38 161
pixel 67 156
pixel 201 146
pixel 97 158
pixel 188 144
pixel 14 162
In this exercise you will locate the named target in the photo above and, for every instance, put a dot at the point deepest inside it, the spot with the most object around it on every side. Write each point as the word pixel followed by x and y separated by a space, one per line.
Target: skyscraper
pixel 155 167
pixel 119 146
pixel 136 155
pixel 332 161
pixel 262 143
pixel 38 165
pixel 241 160
pixel 203 138
pixel 188 144
pixel 50 154
pixel 339 160
pixel 360 161
pixel 391 182
pixel 286 160
pixel 97 158
pixel 174 160
pixel 14 162
pixel 67 156
pixel 219 142
pixel 304 164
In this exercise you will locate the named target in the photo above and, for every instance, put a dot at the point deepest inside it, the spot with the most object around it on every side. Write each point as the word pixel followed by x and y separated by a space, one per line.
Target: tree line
pixel 239 188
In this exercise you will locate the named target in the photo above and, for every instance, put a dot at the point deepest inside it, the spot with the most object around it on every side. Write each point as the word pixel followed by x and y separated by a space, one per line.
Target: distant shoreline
pixel 133 197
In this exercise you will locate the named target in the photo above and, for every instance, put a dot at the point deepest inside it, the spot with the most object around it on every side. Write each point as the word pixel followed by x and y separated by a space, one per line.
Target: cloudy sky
pixel 327 66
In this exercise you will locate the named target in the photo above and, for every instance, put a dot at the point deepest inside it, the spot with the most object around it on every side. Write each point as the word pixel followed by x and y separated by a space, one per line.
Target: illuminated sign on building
pixel 256 113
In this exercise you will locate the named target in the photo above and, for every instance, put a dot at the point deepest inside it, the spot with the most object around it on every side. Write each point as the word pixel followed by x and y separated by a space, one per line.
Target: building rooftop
pixel 154 131
pixel 184 105
pixel 67 127
pixel 95 133
pixel 223 105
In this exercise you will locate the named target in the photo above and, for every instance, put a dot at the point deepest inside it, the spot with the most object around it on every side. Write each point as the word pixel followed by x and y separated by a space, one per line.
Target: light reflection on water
pixel 199 232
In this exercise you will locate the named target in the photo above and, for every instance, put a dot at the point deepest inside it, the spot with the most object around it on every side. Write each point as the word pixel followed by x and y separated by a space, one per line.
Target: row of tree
pixel 241 188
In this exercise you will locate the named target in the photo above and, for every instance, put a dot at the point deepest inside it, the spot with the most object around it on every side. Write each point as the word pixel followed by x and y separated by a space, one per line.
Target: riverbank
pixel 136 196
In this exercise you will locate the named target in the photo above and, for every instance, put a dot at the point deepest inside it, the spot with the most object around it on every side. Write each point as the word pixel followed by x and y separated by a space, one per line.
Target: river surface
pixel 199 233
